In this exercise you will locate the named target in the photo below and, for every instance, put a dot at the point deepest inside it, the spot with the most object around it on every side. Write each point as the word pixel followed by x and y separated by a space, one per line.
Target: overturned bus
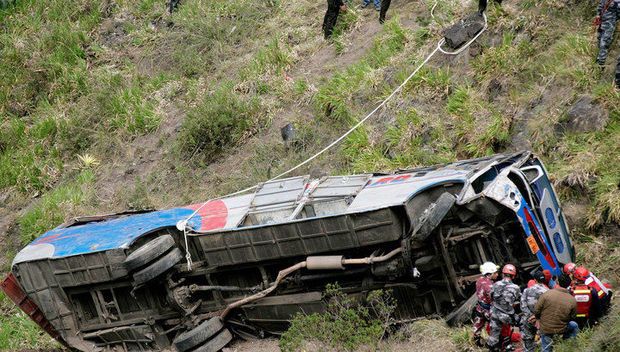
pixel 190 278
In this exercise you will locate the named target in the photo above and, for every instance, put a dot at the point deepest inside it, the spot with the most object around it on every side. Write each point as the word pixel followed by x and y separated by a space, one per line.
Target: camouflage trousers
pixel 481 319
pixel 528 333
pixel 498 319
pixel 479 323
pixel 606 33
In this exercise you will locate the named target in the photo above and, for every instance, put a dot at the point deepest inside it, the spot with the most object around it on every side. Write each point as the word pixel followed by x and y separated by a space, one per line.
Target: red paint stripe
pixel 534 230
pixel 213 215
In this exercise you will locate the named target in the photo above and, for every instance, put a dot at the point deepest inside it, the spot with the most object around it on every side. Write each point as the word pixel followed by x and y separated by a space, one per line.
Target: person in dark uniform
pixel 482 5
pixel 385 5
pixel 172 5
pixel 333 9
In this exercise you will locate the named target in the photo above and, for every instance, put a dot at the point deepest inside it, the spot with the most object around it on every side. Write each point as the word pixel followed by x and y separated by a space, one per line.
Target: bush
pixel 218 122
pixel 346 325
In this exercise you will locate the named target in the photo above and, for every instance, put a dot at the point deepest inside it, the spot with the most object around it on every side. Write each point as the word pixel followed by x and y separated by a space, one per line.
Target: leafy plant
pixel 347 325
pixel 219 121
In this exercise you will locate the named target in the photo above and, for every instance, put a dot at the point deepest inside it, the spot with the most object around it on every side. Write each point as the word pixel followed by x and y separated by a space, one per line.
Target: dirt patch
pixel 266 345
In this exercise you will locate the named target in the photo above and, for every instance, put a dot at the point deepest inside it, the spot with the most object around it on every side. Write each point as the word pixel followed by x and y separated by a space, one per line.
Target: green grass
pixel 273 58
pixel 18 330
pixel 333 99
pixel 55 206
pixel 206 31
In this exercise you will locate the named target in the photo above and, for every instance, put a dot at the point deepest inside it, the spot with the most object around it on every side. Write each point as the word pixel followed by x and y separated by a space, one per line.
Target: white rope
pixel 188 256
pixel 433 9
pixel 184 224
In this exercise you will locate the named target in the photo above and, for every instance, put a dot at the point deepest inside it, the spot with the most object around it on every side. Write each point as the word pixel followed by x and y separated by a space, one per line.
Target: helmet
pixel 581 273
pixel 509 269
pixel 488 268
pixel 569 268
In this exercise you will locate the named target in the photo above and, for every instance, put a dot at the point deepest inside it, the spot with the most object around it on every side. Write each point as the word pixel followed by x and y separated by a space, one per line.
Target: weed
pixel 219 121
pixel 346 325
pixel 273 57
pixel 301 86
pixel 131 112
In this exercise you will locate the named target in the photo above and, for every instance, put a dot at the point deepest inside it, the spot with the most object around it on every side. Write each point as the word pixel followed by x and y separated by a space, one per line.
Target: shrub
pixel 219 121
pixel 346 325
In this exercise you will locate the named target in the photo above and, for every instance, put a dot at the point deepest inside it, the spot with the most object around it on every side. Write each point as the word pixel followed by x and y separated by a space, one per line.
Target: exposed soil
pixel 266 345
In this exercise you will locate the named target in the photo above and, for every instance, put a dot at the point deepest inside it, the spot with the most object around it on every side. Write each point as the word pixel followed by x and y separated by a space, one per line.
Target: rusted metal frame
pixel 373 225
pixel 96 327
pixel 252 245
pixel 197 288
pixel 100 314
pixel 11 286
pixel 450 266
pixel 481 251
pixel 217 295
pixel 100 286
pixel 228 250
pixel 94 292
pixel 117 306
pixel 468 278
pixel 446 281
pixel 325 235
pixel 463 237
pixel 104 306
pixel 56 286
pixel 78 313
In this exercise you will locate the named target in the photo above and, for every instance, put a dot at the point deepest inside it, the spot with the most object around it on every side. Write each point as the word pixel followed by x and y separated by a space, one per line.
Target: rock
pixel 494 89
pixel 463 31
pixel 288 132
pixel 585 115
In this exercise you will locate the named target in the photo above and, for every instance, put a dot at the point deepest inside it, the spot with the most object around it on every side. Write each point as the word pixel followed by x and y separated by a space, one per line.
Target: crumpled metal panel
pixel 19 297
pixel 386 191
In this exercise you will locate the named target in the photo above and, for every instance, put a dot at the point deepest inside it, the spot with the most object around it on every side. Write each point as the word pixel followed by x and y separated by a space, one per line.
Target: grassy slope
pixel 112 105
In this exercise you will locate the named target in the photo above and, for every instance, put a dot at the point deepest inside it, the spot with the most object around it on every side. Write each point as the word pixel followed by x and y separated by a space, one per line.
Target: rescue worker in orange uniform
pixel 586 297
pixel 593 297
pixel 569 268
pixel 483 292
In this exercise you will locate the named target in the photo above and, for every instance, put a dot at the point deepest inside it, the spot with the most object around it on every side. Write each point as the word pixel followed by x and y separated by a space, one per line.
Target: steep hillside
pixel 108 105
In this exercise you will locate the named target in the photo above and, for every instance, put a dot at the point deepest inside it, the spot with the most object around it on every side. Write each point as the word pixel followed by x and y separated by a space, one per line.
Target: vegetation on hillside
pixel 106 105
